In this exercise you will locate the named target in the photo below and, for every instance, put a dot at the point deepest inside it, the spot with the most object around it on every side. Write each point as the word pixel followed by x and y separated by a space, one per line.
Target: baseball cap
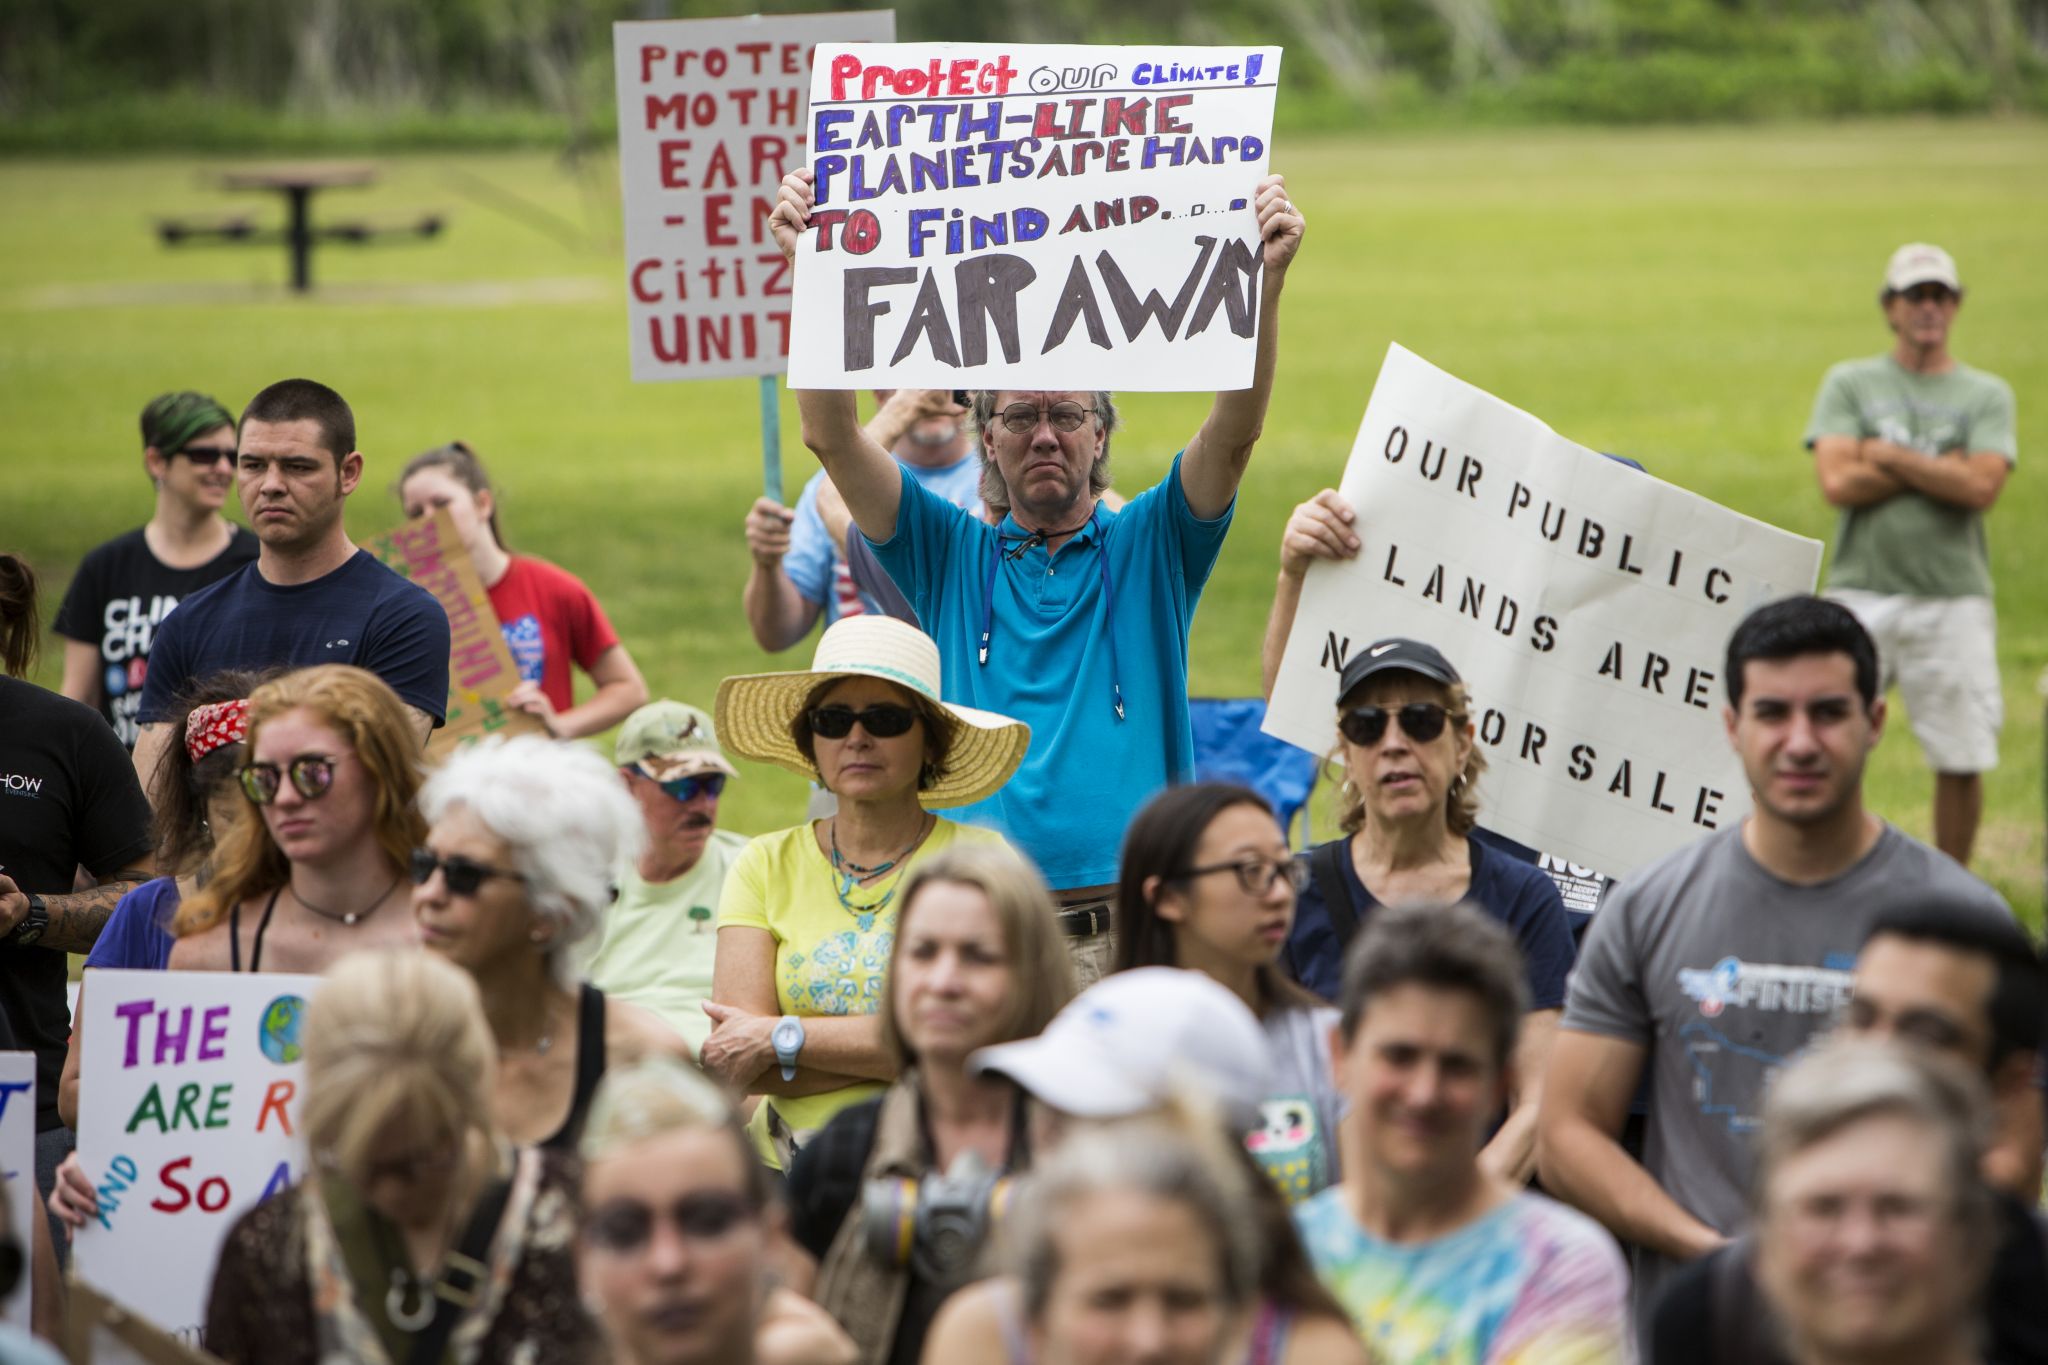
pixel 668 739
pixel 1920 263
pixel 1385 656
pixel 1135 1040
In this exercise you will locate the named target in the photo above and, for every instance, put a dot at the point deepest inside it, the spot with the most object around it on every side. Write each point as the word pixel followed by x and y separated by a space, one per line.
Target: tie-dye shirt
pixel 1529 1283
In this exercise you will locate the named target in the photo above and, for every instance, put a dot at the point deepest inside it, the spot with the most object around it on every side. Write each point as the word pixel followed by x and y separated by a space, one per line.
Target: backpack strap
pixel 1337 900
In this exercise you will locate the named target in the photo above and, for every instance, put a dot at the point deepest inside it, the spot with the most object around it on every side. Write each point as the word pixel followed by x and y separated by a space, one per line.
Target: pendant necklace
pixel 848 874
pixel 350 918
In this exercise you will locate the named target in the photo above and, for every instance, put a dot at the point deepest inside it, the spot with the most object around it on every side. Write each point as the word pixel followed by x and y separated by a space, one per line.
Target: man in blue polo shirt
pixel 311 596
pixel 1066 616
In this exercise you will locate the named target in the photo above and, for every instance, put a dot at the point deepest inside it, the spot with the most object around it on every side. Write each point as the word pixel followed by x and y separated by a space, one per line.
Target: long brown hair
pixel 370 717
pixel 181 788
pixel 20 630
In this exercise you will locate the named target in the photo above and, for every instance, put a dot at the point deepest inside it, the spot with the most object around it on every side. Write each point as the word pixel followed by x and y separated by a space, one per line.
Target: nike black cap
pixel 1386 656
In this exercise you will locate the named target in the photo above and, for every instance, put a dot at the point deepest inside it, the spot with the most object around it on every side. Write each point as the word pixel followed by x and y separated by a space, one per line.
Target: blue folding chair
pixel 1230 747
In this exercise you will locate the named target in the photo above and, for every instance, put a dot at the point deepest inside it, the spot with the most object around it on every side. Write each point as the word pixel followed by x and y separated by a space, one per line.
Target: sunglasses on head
pixel 624 1226
pixel 1421 721
pixel 686 788
pixel 463 875
pixel 883 720
pixel 311 775
pixel 206 455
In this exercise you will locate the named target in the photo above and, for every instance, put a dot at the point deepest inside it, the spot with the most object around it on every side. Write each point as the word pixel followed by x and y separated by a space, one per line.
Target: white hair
pixel 563 813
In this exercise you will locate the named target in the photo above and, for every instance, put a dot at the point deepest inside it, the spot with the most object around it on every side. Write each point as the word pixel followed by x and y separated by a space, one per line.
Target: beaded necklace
pixel 848 874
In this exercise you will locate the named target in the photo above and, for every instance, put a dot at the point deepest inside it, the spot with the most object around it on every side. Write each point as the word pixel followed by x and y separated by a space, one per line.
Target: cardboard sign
pixel 18 1170
pixel 481 673
pixel 189 1095
pixel 1587 605
pixel 712 115
pixel 994 215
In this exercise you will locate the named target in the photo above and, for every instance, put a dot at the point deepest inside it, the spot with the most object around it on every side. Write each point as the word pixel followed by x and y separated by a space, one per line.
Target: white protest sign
pixel 1586 604
pixel 189 1094
pixel 711 117
pixel 18 1169
pixel 1067 217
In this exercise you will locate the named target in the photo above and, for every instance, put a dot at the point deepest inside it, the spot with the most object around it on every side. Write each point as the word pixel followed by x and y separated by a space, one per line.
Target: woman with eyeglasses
pixel 1207 884
pixel 418 1232
pixel 808 915
pixel 677 1250
pixel 526 837
pixel 1408 807
pixel 319 871
pixel 549 618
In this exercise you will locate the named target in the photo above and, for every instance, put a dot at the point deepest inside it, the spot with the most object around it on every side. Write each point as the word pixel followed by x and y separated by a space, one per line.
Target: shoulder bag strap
pixel 463 1273
pixel 1337 900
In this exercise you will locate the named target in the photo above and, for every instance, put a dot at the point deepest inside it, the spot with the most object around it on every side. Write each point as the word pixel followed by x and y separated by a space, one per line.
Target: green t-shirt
pixel 659 939
pixel 829 960
pixel 1911 544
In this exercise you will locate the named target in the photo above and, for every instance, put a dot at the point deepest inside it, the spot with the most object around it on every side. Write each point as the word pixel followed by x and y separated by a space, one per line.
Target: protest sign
pixel 1586 604
pixel 18 1169
pixel 189 1095
pixel 99 1331
pixel 481 673
pixel 1033 216
pixel 711 117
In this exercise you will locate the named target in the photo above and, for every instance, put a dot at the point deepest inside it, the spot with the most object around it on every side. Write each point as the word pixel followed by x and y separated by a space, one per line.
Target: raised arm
pixel 1321 528
pixel 1216 458
pixel 865 473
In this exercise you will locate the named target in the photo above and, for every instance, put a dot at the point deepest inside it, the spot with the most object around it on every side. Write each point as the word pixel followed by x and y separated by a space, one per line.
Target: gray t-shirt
pixel 1296 1142
pixel 1723 972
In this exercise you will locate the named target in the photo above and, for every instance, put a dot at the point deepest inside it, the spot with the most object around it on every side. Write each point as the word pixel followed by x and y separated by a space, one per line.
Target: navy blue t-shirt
pixel 137 936
pixel 1518 894
pixel 361 614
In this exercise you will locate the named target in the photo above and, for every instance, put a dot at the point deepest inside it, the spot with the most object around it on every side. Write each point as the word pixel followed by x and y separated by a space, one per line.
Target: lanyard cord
pixel 1024 543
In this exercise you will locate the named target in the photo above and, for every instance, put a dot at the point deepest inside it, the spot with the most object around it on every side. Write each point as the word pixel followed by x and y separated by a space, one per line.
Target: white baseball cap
pixel 1920 263
pixel 1135 1040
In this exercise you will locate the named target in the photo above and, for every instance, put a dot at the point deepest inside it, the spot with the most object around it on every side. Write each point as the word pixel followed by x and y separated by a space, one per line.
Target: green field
pixel 1670 294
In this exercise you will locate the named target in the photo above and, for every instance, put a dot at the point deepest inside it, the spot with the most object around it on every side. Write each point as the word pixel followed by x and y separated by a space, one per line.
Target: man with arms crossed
pixel 311 597
pixel 1713 965
pixel 1914 447
pixel 1066 616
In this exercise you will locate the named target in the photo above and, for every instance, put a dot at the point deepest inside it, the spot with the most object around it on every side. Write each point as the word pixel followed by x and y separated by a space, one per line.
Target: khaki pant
pixel 1093 957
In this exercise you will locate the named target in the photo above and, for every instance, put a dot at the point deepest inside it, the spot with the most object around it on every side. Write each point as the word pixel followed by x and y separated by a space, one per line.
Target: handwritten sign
pixel 1587 605
pixel 1050 217
pixel 189 1095
pixel 18 1169
pixel 481 673
pixel 712 114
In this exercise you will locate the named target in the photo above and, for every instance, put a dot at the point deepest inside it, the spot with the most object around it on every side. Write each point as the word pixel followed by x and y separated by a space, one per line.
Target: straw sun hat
pixel 755 709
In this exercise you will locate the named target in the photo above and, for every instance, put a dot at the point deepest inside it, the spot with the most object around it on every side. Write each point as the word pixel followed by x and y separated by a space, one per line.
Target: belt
pixel 1085 921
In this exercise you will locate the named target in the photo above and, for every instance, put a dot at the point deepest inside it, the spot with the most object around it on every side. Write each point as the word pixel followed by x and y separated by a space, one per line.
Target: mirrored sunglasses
pixel 311 775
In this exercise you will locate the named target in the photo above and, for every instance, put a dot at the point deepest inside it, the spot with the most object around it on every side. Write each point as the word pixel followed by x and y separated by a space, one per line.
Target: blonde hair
pixel 371 719
pixel 394 1035
pixel 658 1095
pixel 1461 803
pixel 1041 971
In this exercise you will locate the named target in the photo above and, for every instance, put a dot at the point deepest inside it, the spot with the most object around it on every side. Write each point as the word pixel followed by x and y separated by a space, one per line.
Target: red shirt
pixel 550 618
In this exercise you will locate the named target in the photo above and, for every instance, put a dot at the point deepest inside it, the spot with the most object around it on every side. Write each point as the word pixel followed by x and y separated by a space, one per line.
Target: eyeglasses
pixel 625 1226
pixel 1022 417
pixel 686 788
pixel 206 455
pixel 882 720
pixel 1421 721
pixel 1257 875
pixel 311 775
pixel 1927 293
pixel 463 875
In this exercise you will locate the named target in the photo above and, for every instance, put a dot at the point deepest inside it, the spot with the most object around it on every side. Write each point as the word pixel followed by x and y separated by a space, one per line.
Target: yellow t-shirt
pixel 829 959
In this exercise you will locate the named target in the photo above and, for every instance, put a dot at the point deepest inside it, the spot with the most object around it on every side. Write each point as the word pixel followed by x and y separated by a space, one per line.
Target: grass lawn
pixel 1671 294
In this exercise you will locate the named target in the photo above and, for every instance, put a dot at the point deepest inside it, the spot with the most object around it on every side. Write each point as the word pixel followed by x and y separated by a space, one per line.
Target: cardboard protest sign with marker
pixel 1586 604
pixel 1037 216
pixel 712 115
pixel 18 1169
pixel 481 673
pixel 189 1095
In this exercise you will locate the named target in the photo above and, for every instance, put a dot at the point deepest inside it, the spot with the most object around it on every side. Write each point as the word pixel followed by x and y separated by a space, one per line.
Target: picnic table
pixel 298 183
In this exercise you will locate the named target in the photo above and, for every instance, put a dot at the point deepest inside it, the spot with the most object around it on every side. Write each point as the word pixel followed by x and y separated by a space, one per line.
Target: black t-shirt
pixel 68 798
pixel 361 614
pixel 120 595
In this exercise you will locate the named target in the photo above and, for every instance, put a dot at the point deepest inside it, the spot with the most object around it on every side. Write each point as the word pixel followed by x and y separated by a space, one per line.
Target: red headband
pixel 214 725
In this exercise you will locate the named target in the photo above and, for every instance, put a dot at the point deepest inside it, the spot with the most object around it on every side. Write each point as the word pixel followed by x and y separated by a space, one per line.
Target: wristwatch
pixel 33 923
pixel 788 1039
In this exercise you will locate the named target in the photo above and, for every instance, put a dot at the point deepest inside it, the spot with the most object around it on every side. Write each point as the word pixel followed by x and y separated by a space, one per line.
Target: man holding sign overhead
pixel 1065 615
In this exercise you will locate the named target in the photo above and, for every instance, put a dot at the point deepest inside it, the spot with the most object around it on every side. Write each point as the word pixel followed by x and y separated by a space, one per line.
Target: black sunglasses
pixel 624 1226
pixel 1928 293
pixel 206 455
pixel 311 775
pixel 882 720
pixel 463 875
pixel 1421 721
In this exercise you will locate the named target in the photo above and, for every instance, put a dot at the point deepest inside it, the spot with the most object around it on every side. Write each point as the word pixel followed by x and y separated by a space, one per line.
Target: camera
pixel 936 1225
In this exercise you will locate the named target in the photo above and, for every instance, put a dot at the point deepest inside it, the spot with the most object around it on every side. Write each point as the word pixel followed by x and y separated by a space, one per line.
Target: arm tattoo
pixel 76 919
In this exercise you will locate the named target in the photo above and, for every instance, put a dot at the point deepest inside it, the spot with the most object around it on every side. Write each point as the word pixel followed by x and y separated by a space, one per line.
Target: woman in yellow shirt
pixel 808 915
